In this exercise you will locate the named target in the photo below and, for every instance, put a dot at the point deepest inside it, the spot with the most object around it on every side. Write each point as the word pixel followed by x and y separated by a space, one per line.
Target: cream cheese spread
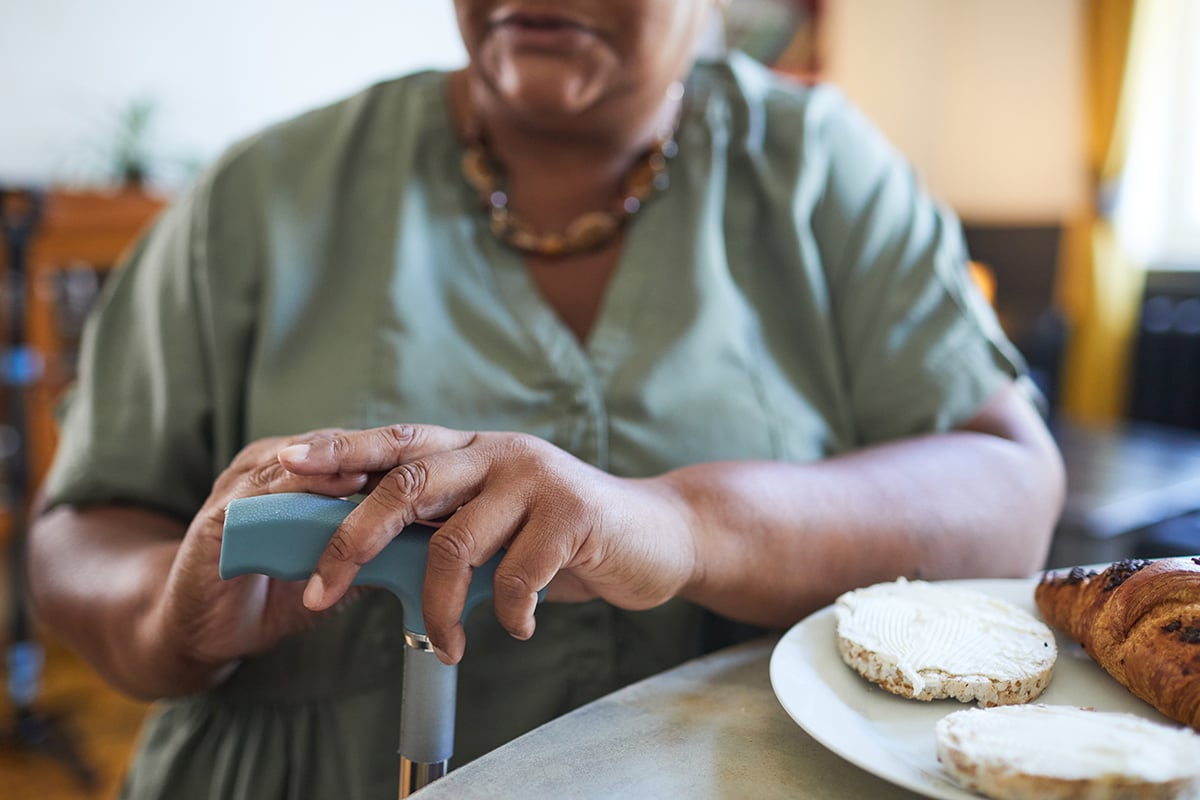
pixel 927 632
pixel 1069 743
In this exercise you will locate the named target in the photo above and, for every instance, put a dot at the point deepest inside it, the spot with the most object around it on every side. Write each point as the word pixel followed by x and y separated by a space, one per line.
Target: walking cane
pixel 283 535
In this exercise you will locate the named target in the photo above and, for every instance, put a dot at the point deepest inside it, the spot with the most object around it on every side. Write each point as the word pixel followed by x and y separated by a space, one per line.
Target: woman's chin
pixel 532 86
pixel 548 105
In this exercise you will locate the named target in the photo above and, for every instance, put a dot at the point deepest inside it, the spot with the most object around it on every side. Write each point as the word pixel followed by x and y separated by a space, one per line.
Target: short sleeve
pixel 137 424
pixel 922 350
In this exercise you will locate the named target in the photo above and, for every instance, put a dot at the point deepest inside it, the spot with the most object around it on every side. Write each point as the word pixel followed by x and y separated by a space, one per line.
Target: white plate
pixel 893 737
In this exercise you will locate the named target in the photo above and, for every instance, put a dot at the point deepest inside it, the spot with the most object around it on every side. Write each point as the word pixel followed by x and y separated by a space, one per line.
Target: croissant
pixel 1140 621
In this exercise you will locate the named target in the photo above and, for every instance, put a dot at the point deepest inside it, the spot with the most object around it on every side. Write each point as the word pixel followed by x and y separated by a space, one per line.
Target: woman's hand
pixel 627 541
pixel 212 623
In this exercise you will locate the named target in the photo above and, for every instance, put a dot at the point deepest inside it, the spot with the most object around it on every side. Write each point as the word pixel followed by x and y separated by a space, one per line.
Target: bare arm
pixel 137 593
pixel 765 542
pixel 776 541
pixel 96 578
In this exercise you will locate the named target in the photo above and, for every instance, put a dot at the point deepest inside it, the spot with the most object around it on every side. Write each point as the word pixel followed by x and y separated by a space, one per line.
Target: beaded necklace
pixel 590 230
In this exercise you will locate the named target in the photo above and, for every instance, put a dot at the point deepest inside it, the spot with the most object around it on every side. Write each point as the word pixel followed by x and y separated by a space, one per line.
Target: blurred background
pixel 1065 134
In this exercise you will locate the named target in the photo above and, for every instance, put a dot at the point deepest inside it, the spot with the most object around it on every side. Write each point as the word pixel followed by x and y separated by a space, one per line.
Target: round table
pixel 710 728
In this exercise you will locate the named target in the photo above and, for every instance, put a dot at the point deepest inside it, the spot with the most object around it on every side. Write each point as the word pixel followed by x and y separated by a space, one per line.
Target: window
pixel 1157 210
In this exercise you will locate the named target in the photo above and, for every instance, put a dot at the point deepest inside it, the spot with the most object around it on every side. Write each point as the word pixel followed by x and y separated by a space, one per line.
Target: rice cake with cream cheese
pixel 1060 752
pixel 928 641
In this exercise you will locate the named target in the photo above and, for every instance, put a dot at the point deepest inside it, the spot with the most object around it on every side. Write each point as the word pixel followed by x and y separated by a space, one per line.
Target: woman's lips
pixel 537 30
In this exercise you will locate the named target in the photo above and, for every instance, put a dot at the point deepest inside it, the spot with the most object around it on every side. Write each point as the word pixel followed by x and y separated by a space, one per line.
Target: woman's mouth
pixel 541 30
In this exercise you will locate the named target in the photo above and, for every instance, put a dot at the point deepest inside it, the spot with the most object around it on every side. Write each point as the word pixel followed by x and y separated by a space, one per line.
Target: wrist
pixel 163 660
pixel 688 522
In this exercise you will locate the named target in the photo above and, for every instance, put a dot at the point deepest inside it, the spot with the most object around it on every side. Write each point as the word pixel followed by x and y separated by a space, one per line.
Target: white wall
pixel 984 96
pixel 217 70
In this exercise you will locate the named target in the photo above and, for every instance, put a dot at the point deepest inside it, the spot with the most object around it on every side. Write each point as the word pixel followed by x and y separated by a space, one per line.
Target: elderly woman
pixel 689 341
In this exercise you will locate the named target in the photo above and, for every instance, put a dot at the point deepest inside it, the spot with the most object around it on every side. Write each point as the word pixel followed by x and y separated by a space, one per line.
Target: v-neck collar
pixel 612 333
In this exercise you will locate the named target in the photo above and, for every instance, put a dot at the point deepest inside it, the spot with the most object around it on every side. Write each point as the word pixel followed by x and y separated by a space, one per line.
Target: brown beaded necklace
pixel 590 230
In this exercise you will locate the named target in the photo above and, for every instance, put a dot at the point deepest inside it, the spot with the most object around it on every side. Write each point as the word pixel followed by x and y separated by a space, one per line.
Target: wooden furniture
pixel 58 247
pixel 80 238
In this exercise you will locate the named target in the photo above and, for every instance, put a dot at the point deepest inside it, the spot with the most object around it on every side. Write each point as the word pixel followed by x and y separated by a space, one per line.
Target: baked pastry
pixel 1140 621
pixel 1052 752
pixel 928 641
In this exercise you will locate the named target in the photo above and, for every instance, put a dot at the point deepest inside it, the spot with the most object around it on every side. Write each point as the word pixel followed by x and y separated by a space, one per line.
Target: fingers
pixel 274 479
pixel 250 480
pixel 256 470
pixel 373 450
pixel 426 489
pixel 538 548
pixel 538 552
pixel 466 541
pixel 499 490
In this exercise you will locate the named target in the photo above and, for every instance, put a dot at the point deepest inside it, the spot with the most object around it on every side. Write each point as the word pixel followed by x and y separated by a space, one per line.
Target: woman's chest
pixel 670 374
pixel 691 353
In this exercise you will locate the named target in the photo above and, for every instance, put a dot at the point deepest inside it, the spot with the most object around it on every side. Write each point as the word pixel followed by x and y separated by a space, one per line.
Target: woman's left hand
pixel 627 541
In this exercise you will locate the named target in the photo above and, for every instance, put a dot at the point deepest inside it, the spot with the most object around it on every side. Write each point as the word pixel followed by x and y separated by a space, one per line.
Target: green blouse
pixel 793 294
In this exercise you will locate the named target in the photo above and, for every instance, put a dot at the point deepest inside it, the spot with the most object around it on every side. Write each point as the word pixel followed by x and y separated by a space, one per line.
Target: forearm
pixel 776 541
pixel 96 578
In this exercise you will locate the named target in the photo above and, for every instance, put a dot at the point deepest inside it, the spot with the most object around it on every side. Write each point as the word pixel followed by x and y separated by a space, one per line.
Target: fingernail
pixel 442 657
pixel 296 452
pixel 314 593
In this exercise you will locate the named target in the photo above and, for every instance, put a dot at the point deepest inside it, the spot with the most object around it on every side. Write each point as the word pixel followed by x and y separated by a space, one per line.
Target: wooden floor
pixel 101 722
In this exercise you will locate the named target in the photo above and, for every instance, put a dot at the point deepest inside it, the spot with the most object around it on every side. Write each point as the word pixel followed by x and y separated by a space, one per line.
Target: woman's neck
pixel 557 169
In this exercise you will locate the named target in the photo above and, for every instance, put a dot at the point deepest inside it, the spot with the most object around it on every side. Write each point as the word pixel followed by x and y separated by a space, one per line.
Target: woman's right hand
pixel 208 624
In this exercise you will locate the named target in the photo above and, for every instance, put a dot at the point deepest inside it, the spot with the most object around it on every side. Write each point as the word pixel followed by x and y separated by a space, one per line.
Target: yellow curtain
pixel 1100 288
